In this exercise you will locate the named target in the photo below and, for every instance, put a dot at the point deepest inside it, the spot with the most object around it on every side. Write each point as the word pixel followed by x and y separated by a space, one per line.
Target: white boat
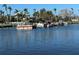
pixel 40 25
pixel 65 23
pixel 56 23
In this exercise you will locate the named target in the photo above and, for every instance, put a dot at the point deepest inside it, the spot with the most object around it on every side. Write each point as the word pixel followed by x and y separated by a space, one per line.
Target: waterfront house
pixel 74 20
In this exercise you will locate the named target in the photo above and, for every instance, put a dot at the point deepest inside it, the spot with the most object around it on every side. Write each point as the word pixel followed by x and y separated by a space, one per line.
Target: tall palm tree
pixel 34 10
pixel 26 10
pixel 2 16
pixel 1 12
pixel 72 10
pixel 43 13
pixel 55 10
pixel 5 6
pixel 17 13
pixel 10 9
pixel 49 14
pixel 26 13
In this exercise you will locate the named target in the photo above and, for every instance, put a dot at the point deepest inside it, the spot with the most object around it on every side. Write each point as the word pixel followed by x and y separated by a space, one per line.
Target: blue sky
pixel 47 6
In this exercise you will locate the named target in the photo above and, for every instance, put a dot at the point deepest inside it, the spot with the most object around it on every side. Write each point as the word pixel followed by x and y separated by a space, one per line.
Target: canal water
pixel 60 40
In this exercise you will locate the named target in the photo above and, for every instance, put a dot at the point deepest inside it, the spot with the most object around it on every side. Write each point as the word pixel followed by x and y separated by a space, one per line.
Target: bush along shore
pixel 10 17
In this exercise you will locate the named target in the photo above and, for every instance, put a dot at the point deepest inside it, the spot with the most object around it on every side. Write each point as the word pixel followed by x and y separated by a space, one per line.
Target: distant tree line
pixel 42 15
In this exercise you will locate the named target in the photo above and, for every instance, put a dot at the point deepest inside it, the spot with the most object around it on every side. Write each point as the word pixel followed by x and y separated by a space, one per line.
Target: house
pixel 74 20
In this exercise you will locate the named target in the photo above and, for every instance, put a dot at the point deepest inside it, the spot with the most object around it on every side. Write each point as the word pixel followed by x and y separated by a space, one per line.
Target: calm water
pixel 56 40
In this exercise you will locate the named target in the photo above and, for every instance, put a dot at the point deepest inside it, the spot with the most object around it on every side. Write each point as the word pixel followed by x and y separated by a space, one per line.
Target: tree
pixel 49 15
pixel 10 9
pixel 26 13
pixel 1 12
pixel 55 10
pixel 17 14
pixel 43 14
pixel 65 13
pixel 2 16
pixel 5 6
pixel 72 11
pixel 34 14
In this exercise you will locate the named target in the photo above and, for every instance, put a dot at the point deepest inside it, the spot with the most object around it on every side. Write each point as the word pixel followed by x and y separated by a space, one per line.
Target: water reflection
pixel 56 40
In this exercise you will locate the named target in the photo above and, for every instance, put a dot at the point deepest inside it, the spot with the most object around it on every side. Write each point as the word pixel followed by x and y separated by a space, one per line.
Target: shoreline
pixel 11 25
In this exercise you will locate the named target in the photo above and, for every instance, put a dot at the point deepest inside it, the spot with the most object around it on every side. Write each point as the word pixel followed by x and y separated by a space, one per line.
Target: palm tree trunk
pixel 17 18
pixel 7 16
pixel 10 16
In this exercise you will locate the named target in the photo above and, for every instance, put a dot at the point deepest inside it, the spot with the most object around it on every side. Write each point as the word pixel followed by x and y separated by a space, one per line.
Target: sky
pixel 46 6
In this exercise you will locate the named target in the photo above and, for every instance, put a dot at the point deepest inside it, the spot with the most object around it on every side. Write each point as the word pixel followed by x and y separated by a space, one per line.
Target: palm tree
pixel 26 13
pixel 72 11
pixel 49 14
pixel 43 13
pixel 1 12
pixel 10 9
pixel 2 16
pixel 26 10
pixel 5 6
pixel 55 10
pixel 34 10
pixel 16 14
pixel 34 14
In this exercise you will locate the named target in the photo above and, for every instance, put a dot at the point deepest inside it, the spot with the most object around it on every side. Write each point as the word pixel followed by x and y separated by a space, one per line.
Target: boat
pixel 39 25
pixel 24 27
pixel 55 24
pixel 65 23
